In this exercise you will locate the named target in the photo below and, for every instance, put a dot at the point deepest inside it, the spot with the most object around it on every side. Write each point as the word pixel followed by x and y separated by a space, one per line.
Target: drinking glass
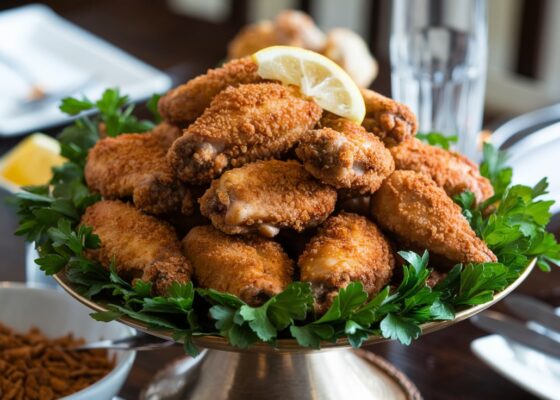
pixel 438 54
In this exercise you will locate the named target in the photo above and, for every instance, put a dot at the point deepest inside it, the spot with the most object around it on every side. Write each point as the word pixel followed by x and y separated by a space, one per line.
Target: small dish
pixel 56 314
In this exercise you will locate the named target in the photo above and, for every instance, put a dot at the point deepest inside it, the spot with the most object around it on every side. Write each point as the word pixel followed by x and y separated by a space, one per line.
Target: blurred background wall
pixel 187 36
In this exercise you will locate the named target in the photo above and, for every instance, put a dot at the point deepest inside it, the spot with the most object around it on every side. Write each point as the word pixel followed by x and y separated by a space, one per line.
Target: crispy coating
pixel 142 246
pixel 135 165
pixel 452 171
pixel 266 196
pixel 418 211
pixel 250 267
pixel 347 248
pixel 243 124
pixel 185 103
pixel 391 121
pixel 290 28
pixel 342 154
pixel 252 38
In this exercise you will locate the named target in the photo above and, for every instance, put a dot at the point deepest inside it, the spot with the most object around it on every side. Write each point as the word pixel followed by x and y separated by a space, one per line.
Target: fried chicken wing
pixel 347 248
pixel 349 50
pixel 250 267
pixel 135 165
pixel 185 103
pixel 243 124
pixel 413 207
pixel 290 28
pixel 342 154
pixel 142 246
pixel 452 171
pixel 266 196
pixel 391 121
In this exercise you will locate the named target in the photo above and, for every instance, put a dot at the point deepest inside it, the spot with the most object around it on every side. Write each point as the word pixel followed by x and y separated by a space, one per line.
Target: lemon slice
pixel 30 162
pixel 317 77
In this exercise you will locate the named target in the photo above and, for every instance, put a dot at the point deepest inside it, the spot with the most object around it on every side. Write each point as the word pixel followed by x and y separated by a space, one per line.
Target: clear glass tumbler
pixel 438 65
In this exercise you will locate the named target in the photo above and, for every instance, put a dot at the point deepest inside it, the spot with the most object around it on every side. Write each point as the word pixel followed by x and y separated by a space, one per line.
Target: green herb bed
pixel 50 215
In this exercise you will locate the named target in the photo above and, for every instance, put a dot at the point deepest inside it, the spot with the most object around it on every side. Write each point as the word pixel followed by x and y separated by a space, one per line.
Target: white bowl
pixel 56 314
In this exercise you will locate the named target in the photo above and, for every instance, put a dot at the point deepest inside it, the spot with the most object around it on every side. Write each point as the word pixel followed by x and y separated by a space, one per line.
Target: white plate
pixel 527 368
pixel 60 56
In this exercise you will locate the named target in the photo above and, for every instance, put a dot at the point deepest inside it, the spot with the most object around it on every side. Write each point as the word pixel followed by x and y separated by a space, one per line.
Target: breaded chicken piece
pixel 413 207
pixel 243 124
pixel 250 267
pixel 141 246
pixel 347 248
pixel 452 171
pixel 185 103
pixel 135 165
pixel 342 154
pixel 290 28
pixel 391 121
pixel 266 196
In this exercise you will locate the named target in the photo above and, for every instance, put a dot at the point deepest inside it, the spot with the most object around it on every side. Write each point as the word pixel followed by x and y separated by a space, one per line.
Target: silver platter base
pixel 328 375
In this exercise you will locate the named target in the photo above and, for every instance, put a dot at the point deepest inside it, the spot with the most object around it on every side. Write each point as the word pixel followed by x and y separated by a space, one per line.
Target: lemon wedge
pixel 30 162
pixel 317 77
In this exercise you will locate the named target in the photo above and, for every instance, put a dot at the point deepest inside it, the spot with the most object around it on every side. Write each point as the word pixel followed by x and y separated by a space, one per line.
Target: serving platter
pixel 287 371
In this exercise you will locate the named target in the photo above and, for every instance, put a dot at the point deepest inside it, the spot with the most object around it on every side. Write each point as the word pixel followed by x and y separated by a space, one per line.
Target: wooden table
pixel 440 364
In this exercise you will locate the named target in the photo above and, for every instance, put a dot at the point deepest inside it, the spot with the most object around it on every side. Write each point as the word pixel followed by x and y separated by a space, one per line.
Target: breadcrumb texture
pixel 141 246
pixel 135 165
pixel 250 267
pixel 344 155
pixel 266 196
pixel 418 211
pixel 452 171
pixel 347 248
pixel 243 124
pixel 185 103
pixel 391 121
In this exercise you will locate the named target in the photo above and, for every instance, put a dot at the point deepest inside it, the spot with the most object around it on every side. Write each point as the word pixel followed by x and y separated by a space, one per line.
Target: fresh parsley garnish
pixel 512 223
pixel 113 110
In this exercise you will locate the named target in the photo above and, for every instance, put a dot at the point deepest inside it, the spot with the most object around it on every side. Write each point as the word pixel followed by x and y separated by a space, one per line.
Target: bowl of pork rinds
pixel 271 200
pixel 38 329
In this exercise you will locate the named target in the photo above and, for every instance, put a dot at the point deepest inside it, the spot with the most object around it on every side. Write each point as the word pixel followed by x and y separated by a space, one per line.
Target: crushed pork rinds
pixel 33 366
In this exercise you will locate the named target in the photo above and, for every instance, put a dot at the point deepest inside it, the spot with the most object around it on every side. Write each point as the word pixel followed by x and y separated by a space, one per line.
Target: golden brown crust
pixel 135 165
pixel 266 196
pixel 185 103
pixel 450 170
pixel 290 28
pixel 142 246
pixel 347 248
pixel 391 121
pixel 243 124
pixel 416 209
pixel 342 154
pixel 250 267
pixel 251 39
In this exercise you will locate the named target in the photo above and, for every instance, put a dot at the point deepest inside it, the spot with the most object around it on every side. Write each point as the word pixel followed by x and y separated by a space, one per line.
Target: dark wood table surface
pixel 440 364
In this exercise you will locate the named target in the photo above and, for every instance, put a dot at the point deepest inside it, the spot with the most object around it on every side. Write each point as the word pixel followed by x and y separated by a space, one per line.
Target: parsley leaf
pixel 280 311
pixel 73 106
pixel 438 139
pixel 494 168
pixel 402 329
pixel 152 106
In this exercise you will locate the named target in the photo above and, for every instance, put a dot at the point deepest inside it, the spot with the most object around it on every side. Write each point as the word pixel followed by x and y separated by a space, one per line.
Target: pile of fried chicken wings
pixel 247 186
